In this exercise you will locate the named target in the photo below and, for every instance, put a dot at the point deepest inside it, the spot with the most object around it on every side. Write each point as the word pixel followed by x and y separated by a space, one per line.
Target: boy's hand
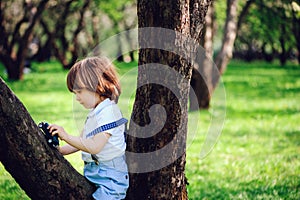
pixel 60 131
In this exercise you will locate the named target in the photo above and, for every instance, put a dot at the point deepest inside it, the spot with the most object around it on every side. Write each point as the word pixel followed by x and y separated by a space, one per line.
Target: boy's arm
pixel 67 149
pixel 91 145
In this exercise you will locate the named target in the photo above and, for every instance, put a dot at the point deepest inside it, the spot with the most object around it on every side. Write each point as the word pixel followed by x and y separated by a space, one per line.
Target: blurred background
pixel 67 30
pixel 257 155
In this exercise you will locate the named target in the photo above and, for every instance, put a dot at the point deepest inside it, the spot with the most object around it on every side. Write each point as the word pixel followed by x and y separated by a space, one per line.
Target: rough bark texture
pixel 201 82
pixel 168 182
pixel 41 171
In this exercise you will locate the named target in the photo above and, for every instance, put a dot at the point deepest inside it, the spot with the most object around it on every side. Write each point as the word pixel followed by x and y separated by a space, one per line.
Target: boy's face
pixel 87 98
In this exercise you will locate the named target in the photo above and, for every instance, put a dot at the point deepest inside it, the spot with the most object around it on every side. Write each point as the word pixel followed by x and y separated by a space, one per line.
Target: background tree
pixel 70 29
pixel 61 35
pixel 201 81
pixel 296 25
pixel 203 84
pixel 263 30
pixel 16 27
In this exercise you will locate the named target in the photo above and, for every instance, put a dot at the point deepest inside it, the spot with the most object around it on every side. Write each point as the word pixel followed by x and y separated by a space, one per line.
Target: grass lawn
pixel 256 156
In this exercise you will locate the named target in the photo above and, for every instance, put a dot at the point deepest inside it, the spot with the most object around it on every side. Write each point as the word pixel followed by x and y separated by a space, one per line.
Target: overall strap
pixel 106 127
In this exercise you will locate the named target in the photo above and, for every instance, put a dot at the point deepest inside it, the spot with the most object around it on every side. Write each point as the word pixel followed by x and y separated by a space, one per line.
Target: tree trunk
pixel 12 67
pixel 296 32
pixel 20 39
pixel 120 56
pixel 201 82
pixel 61 45
pixel 44 52
pixel 204 83
pixel 75 42
pixel 229 36
pixel 41 171
pixel 156 155
pixel 283 53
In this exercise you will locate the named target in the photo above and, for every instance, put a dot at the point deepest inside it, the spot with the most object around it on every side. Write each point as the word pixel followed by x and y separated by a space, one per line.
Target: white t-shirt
pixel 106 112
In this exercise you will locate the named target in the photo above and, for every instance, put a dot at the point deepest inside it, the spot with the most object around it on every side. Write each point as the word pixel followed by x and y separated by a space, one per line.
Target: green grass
pixel 256 156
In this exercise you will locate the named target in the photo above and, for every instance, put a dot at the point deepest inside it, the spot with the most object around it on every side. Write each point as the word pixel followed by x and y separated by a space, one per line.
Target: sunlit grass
pixel 256 156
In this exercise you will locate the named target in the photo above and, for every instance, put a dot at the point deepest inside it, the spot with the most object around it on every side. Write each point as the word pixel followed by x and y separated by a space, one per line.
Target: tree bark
pixel 41 171
pixel 201 82
pixel 155 88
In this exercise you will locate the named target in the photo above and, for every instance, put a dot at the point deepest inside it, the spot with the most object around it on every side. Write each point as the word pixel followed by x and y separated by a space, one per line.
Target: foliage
pixel 16 33
pixel 67 29
pixel 115 9
pixel 268 29
pixel 256 156
pixel 296 8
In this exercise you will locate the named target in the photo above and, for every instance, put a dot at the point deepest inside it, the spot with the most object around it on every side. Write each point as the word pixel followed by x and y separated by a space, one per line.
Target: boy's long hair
pixel 96 74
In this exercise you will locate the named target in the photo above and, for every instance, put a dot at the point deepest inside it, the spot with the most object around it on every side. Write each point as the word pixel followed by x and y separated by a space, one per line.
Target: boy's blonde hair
pixel 96 74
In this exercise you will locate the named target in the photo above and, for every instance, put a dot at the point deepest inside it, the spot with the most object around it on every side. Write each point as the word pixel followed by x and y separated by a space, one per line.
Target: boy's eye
pixel 77 91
